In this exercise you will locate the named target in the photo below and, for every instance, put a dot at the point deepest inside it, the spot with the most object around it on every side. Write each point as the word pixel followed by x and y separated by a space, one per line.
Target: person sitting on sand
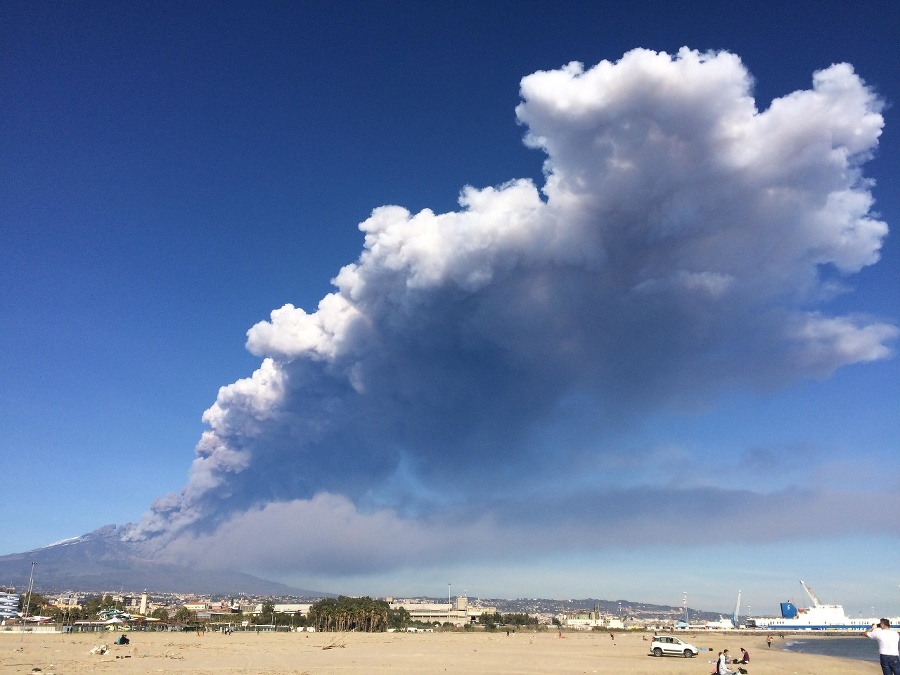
pixel 745 657
pixel 722 664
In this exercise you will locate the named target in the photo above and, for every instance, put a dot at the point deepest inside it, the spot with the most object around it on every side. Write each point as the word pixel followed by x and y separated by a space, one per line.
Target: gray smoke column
pixel 682 241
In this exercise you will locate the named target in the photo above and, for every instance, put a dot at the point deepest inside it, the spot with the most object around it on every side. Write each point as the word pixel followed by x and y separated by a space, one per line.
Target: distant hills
pixel 100 561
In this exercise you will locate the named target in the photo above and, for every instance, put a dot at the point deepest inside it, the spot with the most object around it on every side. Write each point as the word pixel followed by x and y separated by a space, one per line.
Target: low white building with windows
pixel 459 613
pixel 298 608
pixel 590 621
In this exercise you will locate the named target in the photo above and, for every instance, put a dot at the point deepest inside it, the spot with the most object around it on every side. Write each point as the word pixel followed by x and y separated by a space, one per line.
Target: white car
pixel 672 646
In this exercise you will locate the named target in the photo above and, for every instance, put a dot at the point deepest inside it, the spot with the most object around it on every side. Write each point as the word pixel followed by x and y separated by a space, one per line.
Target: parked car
pixel 672 646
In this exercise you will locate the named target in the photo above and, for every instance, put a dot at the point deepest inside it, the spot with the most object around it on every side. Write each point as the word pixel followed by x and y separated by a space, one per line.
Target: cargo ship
pixel 815 617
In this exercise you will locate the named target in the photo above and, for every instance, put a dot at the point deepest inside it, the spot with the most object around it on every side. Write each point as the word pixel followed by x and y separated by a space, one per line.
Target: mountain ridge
pixel 102 560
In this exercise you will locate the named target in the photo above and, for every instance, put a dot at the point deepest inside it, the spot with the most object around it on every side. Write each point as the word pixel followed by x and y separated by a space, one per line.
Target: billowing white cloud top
pixel 683 241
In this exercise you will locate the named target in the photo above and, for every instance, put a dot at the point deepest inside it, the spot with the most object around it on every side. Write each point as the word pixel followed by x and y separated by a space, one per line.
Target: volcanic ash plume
pixel 683 241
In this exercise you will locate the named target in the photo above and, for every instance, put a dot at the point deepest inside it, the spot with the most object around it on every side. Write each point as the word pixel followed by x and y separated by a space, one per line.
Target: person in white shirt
pixel 888 646
pixel 722 664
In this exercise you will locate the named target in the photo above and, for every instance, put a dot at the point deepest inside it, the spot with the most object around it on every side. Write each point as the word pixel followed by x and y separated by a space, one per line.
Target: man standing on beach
pixel 888 646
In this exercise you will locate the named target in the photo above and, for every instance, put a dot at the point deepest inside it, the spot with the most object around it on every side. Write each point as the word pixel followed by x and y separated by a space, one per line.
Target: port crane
pixel 809 592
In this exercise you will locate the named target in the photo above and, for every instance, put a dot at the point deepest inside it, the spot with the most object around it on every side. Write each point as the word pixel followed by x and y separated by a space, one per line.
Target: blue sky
pixel 662 362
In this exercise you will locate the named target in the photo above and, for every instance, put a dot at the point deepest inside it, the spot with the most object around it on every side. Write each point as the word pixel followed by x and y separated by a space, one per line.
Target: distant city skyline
pixel 556 299
pixel 532 606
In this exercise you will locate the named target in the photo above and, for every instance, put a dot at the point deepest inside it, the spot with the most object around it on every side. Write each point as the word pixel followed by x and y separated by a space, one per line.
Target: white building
pixel 458 613
pixel 9 604
pixel 590 621
pixel 301 608
pixel 68 602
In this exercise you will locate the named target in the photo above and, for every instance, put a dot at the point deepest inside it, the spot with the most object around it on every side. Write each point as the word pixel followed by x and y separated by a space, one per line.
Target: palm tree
pixel 345 614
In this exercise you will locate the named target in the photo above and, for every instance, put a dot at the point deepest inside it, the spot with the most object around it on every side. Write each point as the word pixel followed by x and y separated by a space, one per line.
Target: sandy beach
pixel 345 653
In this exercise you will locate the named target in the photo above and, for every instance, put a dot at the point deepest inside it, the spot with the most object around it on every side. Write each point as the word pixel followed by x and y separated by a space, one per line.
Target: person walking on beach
pixel 888 646
pixel 769 640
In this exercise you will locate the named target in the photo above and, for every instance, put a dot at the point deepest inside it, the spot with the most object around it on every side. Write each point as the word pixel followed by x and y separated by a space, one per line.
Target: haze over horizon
pixel 562 308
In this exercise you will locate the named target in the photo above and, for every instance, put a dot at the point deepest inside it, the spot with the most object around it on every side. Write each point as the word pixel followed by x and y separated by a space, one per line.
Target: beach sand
pixel 352 653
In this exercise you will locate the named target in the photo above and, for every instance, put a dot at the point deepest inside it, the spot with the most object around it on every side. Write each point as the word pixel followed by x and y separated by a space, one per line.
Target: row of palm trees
pixel 491 621
pixel 354 614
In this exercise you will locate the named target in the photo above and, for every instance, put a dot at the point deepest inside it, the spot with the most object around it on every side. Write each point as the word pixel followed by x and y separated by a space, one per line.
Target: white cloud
pixel 829 342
